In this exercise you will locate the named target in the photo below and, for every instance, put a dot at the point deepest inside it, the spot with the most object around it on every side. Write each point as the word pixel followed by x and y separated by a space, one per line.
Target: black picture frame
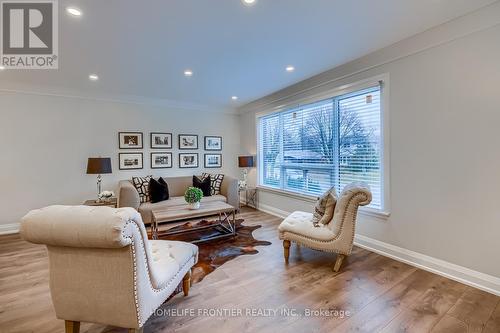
pixel 121 167
pixel 181 159
pixel 213 166
pixel 182 138
pixel 122 145
pixel 162 167
pixel 206 143
pixel 154 146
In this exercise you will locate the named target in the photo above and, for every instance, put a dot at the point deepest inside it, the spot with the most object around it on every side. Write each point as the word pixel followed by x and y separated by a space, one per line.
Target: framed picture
pixel 188 141
pixel 213 160
pixel 130 161
pixel 130 140
pixel 188 160
pixel 161 160
pixel 213 143
pixel 161 140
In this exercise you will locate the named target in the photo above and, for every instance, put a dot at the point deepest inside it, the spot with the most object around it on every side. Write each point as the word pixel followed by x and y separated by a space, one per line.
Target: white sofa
pixel 129 197
pixel 103 268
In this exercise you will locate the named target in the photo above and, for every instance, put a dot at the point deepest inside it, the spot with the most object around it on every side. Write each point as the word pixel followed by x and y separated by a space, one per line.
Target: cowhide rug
pixel 214 253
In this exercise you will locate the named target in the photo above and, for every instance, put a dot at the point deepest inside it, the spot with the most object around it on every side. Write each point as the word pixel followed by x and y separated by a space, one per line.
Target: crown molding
pixel 123 99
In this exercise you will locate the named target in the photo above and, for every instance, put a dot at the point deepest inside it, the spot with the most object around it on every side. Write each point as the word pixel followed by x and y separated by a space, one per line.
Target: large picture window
pixel 331 142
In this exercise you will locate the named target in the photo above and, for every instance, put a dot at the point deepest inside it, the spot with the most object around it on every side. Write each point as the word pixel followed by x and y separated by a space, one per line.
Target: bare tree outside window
pixel 328 143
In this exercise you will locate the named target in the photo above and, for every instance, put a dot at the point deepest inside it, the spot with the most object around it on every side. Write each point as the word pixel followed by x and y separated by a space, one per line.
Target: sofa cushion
pixel 168 258
pixel 324 208
pixel 301 223
pixel 203 185
pixel 158 190
pixel 215 182
pixel 141 184
pixel 146 208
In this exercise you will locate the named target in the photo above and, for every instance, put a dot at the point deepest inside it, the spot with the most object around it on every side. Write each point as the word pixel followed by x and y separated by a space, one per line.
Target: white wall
pixel 444 127
pixel 47 140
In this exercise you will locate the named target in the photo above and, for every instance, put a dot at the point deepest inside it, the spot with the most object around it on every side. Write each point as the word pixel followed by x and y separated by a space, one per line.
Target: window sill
pixel 294 195
pixel 310 198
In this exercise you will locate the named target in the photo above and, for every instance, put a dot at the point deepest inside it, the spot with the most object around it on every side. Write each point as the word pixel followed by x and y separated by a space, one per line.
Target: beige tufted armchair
pixel 336 236
pixel 103 269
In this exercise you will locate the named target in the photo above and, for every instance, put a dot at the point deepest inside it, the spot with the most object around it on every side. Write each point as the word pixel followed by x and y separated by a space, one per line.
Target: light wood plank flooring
pixel 375 293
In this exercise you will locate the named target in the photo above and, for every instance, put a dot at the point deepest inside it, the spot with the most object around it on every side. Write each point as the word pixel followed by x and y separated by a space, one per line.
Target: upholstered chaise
pixel 336 236
pixel 103 269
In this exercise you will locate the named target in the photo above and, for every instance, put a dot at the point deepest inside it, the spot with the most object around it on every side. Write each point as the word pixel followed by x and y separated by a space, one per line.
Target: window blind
pixel 333 142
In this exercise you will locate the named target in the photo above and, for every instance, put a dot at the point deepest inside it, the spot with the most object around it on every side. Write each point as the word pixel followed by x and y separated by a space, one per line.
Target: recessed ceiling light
pixel 249 2
pixel 74 11
pixel 188 72
pixel 93 77
pixel 290 68
pixel 234 98
pixel 2 68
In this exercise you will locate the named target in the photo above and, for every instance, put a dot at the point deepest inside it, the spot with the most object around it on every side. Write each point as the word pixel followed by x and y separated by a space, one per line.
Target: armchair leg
pixel 338 262
pixel 286 250
pixel 186 283
pixel 136 330
pixel 72 326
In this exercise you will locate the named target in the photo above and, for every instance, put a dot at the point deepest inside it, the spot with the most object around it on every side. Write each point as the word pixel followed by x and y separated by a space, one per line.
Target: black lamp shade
pixel 245 161
pixel 98 165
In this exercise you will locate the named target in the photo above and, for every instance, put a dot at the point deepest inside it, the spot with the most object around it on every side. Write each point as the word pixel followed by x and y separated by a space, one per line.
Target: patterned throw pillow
pixel 325 206
pixel 142 186
pixel 215 182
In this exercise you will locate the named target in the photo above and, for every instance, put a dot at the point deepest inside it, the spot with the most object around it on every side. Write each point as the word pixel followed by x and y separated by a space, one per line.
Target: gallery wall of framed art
pixel 130 140
pixel 161 158
pixel 188 141
pixel 213 143
pixel 188 160
pixel 213 161
pixel 130 161
pixel 161 140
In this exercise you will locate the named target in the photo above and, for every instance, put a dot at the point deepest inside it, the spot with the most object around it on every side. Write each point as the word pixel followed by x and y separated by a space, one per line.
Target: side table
pixel 250 196
pixel 112 202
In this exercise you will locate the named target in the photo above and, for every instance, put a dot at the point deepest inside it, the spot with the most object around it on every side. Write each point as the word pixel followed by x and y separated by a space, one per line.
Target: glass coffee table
pixel 177 215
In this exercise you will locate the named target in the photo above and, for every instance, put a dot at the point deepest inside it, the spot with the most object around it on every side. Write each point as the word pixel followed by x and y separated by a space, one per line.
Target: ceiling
pixel 141 48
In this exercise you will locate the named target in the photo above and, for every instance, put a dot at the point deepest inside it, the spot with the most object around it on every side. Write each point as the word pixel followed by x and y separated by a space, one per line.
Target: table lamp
pixel 245 162
pixel 98 166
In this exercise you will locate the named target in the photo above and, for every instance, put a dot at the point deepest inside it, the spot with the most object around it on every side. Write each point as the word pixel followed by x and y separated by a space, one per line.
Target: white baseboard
pixel 488 283
pixel 454 272
pixel 272 210
pixel 7 229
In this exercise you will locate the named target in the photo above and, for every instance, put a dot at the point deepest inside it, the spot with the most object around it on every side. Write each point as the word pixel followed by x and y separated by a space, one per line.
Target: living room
pixel 250 165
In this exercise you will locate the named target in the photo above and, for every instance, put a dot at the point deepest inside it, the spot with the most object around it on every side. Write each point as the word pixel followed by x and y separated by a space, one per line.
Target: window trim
pixel 383 80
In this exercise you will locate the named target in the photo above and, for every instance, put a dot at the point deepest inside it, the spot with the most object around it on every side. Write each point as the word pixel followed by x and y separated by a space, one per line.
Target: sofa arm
pixel 229 189
pixel 128 195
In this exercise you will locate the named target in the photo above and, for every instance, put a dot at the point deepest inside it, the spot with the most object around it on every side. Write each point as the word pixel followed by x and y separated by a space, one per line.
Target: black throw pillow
pixel 203 185
pixel 158 190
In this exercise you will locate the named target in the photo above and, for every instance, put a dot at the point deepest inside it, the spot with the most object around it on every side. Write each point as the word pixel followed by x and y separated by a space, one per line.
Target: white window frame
pixel 383 80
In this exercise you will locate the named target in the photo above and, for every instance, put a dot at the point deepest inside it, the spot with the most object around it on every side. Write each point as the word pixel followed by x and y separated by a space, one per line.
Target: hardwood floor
pixel 370 293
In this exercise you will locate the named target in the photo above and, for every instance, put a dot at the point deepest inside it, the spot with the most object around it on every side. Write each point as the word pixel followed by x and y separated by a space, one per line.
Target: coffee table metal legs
pixel 231 223
pixel 154 229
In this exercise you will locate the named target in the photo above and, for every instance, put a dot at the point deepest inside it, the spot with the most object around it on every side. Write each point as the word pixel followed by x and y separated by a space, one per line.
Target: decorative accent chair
pixel 103 269
pixel 336 236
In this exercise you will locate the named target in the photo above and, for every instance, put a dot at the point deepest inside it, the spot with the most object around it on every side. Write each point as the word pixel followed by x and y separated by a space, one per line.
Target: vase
pixel 194 205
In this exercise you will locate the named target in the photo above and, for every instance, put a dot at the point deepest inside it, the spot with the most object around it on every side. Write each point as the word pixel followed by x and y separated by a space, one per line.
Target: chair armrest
pixel 128 195
pixel 229 189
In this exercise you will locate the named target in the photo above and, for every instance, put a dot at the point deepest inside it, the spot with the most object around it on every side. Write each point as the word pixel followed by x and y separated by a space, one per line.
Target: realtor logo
pixel 29 37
